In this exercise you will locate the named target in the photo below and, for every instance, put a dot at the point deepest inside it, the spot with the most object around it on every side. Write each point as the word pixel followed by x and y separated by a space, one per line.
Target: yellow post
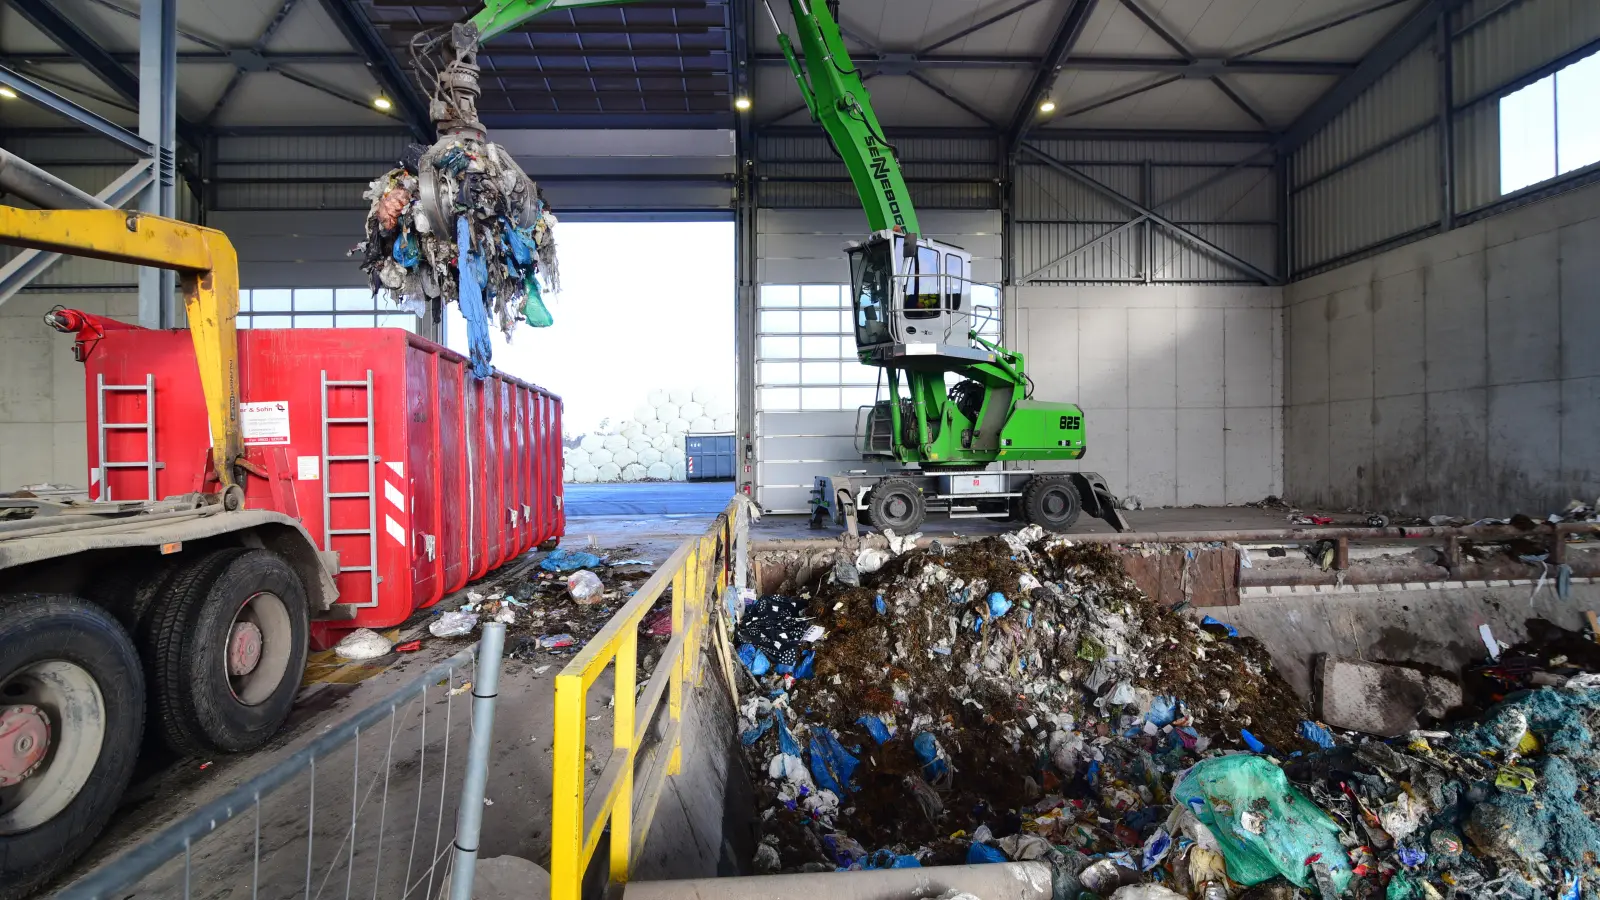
pixel 680 588
pixel 622 725
pixel 566 806
pixel 211 302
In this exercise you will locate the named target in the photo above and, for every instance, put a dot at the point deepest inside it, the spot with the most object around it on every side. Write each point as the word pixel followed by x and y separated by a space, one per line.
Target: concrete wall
pixel 42 434
pixel 1181 385
pixel 1456 375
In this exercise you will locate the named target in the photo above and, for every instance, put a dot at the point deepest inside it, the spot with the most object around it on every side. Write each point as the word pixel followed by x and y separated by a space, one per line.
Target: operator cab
pixel 912 302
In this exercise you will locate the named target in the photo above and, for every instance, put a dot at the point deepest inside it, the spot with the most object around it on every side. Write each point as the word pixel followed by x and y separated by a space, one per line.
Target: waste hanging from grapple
pixel 1019 698
pixel 459 222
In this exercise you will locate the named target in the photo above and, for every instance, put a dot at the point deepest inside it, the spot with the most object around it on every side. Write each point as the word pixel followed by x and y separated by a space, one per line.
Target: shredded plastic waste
pixel 453 624
pixel 363 643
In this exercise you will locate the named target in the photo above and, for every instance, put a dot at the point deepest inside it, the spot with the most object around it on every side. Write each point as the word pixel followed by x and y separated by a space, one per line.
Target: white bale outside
pixel 662 441
pixel 566 474
pixel 577 456
pixel 718 407
pixel 609 473
pixel 703 394
pixel 585 474
pixel 679 473
pixel 645 413
pixel 691 411
pixel 656 398
pixel 666 412
pixel 679 441
pixel 725 422
pixel 616 442
pixel 633 432
pixel 654 427
pixel 674 457
pixel 639 444
pixel 634 472
pixel 702 425
pixel 678 427
pixel 649 456
pixel 600 457
pixel 624 458
pixel 592 442
pixel 680 396
pixel 659 471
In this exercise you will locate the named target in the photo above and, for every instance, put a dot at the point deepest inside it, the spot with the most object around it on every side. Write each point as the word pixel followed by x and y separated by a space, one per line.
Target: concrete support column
pixel 158 124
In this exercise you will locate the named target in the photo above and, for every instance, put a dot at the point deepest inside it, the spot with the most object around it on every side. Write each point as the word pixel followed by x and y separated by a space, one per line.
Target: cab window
pixel 923 289
pixel 955 282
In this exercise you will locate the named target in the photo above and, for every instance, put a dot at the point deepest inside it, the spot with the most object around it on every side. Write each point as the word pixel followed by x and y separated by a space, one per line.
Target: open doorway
pixel 641 352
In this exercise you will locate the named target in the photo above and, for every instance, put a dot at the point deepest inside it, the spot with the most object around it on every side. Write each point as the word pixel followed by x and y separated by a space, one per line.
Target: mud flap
pixel 1098 501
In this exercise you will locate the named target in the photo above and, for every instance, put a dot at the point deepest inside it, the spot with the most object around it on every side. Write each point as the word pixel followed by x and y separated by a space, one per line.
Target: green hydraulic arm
pixel 829 81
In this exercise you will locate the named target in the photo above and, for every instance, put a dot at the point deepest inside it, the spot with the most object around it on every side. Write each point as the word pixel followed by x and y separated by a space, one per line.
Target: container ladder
pixel 148 426
pixel 369 495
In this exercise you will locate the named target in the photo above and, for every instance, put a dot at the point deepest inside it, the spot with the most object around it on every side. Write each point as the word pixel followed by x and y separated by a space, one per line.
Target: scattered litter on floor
pixel 363 643
pixel 1018 698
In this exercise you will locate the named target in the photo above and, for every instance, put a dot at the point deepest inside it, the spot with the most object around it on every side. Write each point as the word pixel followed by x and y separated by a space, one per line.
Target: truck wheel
pixel 71 717
pixel 1051 502
pixel 228 649
pixel 897 504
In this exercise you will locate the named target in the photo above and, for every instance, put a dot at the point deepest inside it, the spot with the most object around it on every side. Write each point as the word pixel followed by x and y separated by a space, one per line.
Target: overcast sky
pixel 643 306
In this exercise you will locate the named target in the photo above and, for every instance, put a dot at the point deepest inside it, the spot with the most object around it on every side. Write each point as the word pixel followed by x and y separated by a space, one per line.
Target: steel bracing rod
pixel 1319 28
pixel 1119 96
pixel 916 61
pixel 258 47
pixel 59 104
pixel 355 27
pixel 1104 236
pixel 954 100
pixel 1177 230
pixel 1061 45
pixel 29 264
pixel 1172 40
pixel 979 26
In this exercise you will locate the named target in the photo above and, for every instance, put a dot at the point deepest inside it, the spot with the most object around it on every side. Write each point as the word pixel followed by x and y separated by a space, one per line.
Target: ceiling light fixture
pixel 741 104
pixel 1048 106
pixel 8 93
pixel 382 103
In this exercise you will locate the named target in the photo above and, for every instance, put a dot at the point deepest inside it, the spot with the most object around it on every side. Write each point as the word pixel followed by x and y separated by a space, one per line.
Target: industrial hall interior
pixel 782 449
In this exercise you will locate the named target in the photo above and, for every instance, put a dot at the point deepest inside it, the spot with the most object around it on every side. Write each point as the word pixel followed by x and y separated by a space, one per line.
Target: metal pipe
pixel 1500 571
pixel 997 881
pixel 46 191
pixel 469 813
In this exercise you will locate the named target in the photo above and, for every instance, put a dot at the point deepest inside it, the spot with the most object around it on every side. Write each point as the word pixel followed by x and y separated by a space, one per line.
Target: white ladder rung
pixel 142 464
pixel 123 387
pixel 126 426
pixel 369 495
pixel 359 384
pixel 347 495
pixel 349 458
pixel 349 421
pixel 338 531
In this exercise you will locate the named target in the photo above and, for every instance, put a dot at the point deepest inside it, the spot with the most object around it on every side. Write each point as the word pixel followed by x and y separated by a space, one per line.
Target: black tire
pixel 44 628
pixel 129 591
pixel 200 706
pixel 1051 502
pixel 897 504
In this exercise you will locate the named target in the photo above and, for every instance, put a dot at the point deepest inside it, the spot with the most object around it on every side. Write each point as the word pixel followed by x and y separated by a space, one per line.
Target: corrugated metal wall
pixel 1065 231
pixel 1372 178
pixel 804 172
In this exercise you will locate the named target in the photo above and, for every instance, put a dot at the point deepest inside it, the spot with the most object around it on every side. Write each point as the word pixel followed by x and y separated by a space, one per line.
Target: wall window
pixel 806 349
pixel 319 308
pixel 1549 128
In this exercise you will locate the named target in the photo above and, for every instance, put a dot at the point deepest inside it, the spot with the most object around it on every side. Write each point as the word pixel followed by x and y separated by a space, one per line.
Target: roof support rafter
pixel 355 27
pixel 1061 45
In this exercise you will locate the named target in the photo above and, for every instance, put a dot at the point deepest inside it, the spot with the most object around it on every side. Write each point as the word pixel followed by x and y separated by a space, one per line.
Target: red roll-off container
pixel 421 476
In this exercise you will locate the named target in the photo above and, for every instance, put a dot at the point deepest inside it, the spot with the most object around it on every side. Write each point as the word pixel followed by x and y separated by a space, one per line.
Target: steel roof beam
pixel 85 50
pixel 353 24
pixel 59 104
pixel 1197 68
pixel 313 57
pixel 1045 77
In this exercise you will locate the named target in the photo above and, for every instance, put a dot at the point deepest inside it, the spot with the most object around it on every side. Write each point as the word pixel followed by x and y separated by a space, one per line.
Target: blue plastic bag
pixel 808 665
pixel 1252 741
pixel 933 762
pixel 1316 734
pixel 1232 631
pixel 875 727
pixel 561 560
pixel 998 605
pixel 831 764
pixel 754 659
pixel 888 859
pixel 1162 711
pixel 473 275
pixel 754 734
pixel 979 854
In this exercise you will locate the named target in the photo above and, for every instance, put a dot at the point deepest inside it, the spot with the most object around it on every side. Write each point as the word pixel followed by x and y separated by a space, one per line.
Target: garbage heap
pixel 459 222
pixel 1019 698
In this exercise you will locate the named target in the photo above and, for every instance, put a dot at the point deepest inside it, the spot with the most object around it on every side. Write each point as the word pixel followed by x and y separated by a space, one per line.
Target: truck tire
pixel 1051 502
pixel 228 647
pixel 66 665
pixel 897 504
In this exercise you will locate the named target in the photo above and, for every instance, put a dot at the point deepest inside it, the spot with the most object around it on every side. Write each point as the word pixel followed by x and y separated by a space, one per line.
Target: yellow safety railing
pixel 625 796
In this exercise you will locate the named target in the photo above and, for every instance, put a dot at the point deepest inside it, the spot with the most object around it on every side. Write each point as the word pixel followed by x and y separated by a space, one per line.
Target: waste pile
pixel 650 445
pixel 1018 698
pixel 459 222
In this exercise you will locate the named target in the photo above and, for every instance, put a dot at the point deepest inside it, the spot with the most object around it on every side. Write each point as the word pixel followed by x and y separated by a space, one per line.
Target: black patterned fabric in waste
pixel 775 626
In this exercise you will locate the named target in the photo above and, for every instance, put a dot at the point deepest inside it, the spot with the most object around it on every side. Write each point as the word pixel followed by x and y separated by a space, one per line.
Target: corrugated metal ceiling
pixel 668 63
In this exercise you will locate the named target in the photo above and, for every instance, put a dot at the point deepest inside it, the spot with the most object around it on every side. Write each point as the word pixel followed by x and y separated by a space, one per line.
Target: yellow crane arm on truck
pixel 208 270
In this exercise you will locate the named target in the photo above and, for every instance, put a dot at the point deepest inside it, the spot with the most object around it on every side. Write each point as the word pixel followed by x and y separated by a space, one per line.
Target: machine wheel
pixel 71 716
pixel 897 504
pixel 227 651
pixel 1051 502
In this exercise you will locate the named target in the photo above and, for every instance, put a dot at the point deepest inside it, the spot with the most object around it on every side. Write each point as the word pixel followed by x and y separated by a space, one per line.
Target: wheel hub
pixel 244 648
pixel 24 741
